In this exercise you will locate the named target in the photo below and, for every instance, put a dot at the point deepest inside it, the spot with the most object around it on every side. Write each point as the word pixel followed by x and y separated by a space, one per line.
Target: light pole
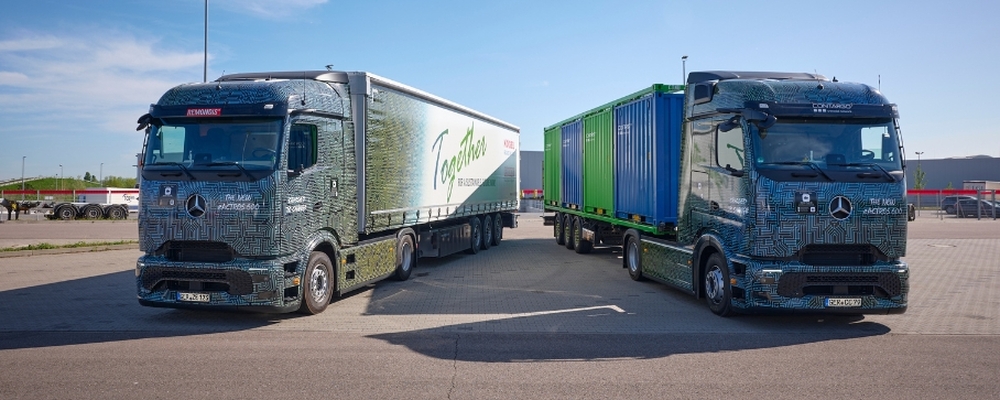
pixel 205 67
pixel 60 176
pixel 100 177
pixel 684 74
pixel 22 176
pixel 918 157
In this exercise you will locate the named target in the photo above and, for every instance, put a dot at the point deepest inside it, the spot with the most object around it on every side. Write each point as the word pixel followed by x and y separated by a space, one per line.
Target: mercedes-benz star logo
pixel 840 208
pixel 196 205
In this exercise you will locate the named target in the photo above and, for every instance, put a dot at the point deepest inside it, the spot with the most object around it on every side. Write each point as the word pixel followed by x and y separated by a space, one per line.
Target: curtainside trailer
pixel 277 191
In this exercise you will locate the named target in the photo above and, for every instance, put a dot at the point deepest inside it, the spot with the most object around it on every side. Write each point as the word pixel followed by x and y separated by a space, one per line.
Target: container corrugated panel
pixel 598 166
pixel 552 168
pixel 647 158
pixel 572 165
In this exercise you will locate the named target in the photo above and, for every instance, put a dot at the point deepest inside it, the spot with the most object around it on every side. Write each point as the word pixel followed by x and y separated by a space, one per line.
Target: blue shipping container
pixel 647 158
pixel 572 165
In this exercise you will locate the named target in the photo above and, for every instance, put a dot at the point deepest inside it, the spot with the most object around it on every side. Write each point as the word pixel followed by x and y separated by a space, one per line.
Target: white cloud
pixel 270 9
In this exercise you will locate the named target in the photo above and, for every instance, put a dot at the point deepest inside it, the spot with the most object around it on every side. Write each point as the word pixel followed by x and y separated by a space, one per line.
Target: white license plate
pixel 843 302
pixel 194 297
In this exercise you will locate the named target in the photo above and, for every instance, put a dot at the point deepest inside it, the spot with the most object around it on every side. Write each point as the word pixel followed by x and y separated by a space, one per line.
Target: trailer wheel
pixel 475 235
pixel 582 246
pixel 558 232
pixel 718 294
pixel 568 229
pixel 117 212
pixel 487 232
pixel 317 284
pixel 497 229
pixel 633 260
pixel 405 257
pixel 65 212
pixel 92 211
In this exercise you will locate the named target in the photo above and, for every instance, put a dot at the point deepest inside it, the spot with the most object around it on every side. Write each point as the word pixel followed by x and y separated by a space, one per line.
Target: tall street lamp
pixel 22 176
pixel 684 74
pixel 101 176
pixel 918 157
pixel 60 176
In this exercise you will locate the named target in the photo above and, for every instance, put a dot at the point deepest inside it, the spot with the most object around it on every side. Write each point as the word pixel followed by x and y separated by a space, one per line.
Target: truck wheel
pixel 92 211
pixel 633 260
pixel 117 212
pixel 497 229
pixel 317 284
pixel 582 246
pixel 487 232
pixel 65 212
pixel 718 294
pixel 558 232
pixel 475 236
pixel 568 231
pixel 405 257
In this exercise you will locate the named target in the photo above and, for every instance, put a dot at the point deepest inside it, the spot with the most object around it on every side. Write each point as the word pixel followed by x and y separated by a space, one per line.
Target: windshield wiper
pixel 183 168
pixel 874 166
pixel 238 165
pixel 809 163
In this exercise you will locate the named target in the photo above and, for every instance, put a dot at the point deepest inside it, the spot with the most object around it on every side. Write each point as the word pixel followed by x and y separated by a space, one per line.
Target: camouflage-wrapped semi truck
pixel 277 191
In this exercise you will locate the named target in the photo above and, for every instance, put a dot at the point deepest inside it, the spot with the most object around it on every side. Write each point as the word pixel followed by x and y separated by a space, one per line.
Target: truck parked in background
pixel 277 191
pixel 97 203
pixel 756 191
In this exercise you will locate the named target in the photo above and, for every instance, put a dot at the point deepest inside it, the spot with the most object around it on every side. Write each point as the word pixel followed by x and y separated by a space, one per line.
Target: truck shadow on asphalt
pixel 104 308
pixel 546 303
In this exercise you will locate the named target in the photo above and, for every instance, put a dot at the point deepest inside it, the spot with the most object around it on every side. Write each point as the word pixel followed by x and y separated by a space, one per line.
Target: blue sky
pixel 75 75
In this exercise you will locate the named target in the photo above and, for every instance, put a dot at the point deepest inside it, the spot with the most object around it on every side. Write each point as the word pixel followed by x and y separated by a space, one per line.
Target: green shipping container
pixel 598 163
pixel 552 174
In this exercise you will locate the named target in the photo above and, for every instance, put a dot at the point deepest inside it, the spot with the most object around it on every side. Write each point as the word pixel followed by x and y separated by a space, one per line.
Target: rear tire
pixel 117 212
pixel 317 284
pixel 568 229
pixel 582 246
pixel 718 293
pixel 487 232
pixel 497 229
pixel 65 212
pixel 558 231
pixel 406 257
pixel 633 258
pixel 475 235
pixel 92 211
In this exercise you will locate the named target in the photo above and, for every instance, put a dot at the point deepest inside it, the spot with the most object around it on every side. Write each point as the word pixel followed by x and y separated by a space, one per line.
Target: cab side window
pixel 729 149
pixel 302 147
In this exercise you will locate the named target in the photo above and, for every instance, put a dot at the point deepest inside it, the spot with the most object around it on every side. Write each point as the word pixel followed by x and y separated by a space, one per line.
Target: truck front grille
pixel 798 284
pixel 197 251
pixel 202 279
pixel 840 254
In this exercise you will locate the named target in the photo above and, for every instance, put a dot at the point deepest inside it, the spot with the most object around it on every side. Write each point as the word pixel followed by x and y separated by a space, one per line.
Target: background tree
pixel 920 179
pixel 87 177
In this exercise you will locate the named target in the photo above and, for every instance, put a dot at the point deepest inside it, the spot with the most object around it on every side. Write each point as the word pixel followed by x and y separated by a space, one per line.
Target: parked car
pixel 948 202
pixel 972 208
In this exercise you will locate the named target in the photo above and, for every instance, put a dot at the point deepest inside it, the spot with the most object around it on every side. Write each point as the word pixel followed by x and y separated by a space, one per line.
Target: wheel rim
pixel 633 256
pixel 319 285
pixel 407 256
pixel 477 236
pixel 714 285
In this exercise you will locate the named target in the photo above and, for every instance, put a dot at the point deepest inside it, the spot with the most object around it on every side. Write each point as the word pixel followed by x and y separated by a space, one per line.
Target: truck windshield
pixel 868 144
pixel 246 144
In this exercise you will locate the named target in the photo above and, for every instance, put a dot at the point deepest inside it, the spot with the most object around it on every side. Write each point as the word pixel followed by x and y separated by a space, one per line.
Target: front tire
pixel 317 284
pixel 406 258
pixel 718 293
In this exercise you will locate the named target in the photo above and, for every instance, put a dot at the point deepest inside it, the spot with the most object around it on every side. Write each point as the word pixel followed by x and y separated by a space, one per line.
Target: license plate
pixel 843 302
pixel 193 297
